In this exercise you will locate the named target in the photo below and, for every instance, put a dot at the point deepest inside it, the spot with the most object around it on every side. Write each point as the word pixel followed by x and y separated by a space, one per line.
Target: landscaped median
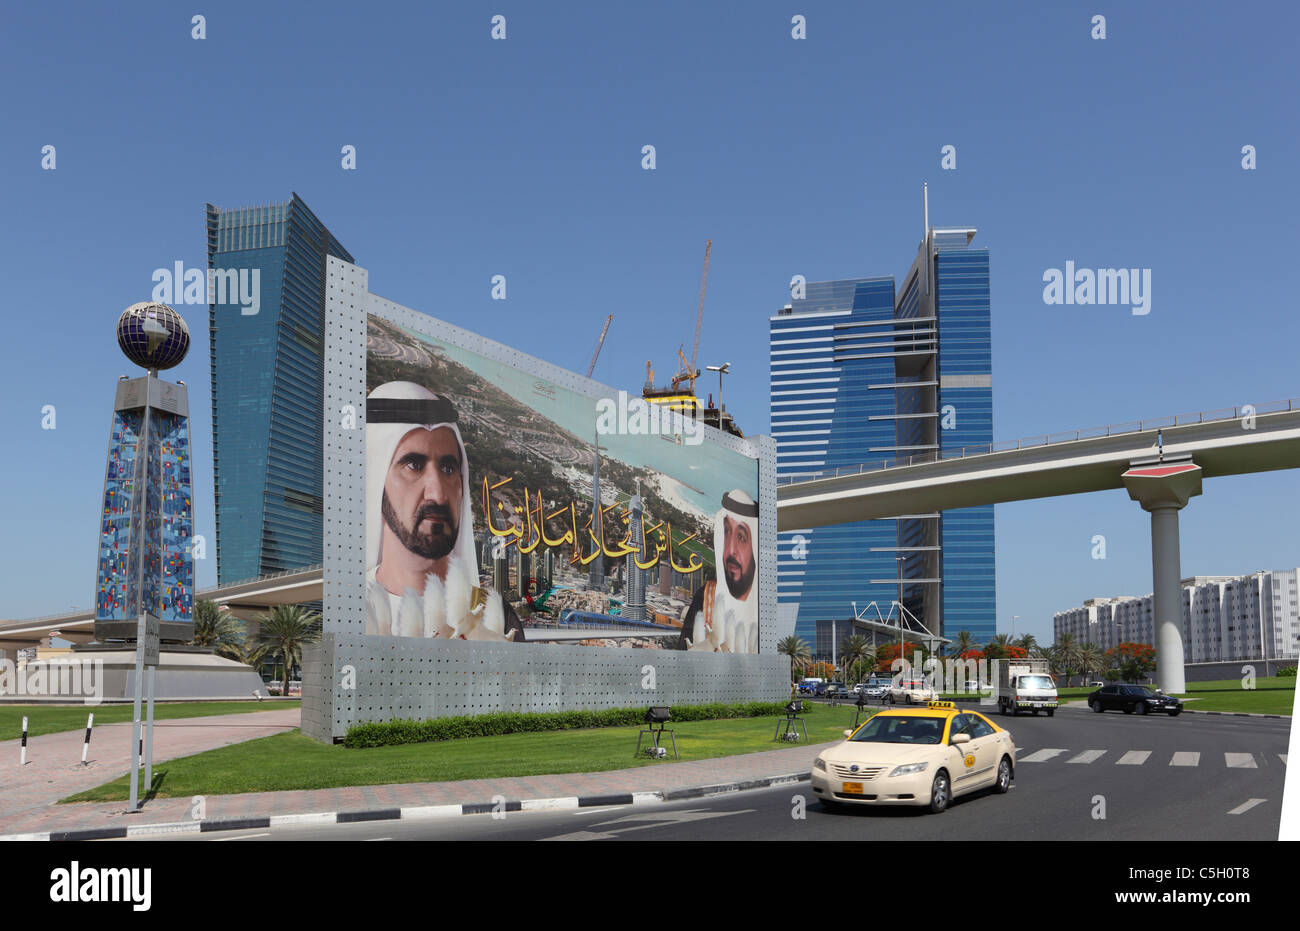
pixel 1271 695
pixel 294 762
pixel 52 719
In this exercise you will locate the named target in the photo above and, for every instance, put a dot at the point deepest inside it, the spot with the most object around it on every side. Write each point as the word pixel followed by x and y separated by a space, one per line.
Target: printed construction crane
pixel 600 342
pixel 689 372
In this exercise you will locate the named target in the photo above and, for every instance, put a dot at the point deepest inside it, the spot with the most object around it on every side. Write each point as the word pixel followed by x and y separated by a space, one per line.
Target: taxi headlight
pixel 909 769
pixel 819 763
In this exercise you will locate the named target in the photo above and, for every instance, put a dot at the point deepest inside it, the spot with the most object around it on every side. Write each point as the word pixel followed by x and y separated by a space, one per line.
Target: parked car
pixel 831 690
pixel 1134 699
pixel 876 688
pixel 1096 684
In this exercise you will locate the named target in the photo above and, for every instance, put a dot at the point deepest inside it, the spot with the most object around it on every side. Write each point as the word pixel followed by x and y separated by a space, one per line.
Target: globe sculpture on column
pixel 145 564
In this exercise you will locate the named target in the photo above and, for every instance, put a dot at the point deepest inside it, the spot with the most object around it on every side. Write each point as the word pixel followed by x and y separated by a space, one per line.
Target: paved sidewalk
pixel 54 770
pixel 664 778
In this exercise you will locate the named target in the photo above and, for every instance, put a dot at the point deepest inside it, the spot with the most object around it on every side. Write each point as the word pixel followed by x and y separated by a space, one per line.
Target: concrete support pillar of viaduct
pixel 1164 488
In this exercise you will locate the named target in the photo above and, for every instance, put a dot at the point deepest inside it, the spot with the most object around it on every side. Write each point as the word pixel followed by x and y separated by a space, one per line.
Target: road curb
pixel 416 813
pixel 1239 714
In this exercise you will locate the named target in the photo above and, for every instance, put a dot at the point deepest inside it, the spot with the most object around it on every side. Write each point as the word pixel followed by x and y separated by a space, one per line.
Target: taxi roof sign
pixel 941 704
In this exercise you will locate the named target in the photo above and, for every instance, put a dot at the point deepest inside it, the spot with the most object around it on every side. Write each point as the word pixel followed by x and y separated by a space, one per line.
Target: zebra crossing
pixel 1183 758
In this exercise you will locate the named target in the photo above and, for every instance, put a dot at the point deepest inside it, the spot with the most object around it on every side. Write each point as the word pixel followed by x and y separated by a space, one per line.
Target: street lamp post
pixel 722 369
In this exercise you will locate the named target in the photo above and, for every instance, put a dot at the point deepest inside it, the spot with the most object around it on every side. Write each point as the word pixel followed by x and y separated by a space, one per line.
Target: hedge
pixel 405 731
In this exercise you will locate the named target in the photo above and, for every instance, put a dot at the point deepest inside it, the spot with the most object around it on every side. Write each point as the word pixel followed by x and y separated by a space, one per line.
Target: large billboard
pixel 500 506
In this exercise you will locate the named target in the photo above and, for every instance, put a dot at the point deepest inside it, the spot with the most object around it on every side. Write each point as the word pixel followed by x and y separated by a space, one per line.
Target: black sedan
pixel 1133 699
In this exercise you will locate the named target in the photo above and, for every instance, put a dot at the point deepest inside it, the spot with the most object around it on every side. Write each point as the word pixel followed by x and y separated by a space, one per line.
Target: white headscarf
pixel 443 608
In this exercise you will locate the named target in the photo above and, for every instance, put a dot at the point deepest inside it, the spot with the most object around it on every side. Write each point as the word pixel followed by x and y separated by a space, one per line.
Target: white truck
pixel 1026 685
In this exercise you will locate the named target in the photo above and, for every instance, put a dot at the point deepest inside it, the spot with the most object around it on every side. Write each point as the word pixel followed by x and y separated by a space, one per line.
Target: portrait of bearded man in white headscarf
pixel 421 572
pixel 724 618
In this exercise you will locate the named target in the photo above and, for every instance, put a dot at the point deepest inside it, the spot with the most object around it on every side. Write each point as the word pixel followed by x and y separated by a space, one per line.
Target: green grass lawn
pixel 50 719
pixel 1271 695
pixel 292 761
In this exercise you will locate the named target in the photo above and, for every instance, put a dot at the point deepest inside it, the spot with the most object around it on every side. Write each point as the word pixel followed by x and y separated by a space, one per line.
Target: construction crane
pixel 689 372
pixel 600 342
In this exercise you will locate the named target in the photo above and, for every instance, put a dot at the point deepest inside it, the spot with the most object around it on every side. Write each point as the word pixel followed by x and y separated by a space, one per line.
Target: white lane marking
pixel 1041 756
pixel 581 835
pixel 376 838
pixel 1087 756
pixel 596 811
pixel 1185 758
pixel 1240 761
pixel 1133 758
pixel 1247 806
pixel 244 836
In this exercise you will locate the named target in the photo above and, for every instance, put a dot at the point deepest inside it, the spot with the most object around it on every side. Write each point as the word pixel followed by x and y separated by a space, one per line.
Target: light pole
pixel 722 369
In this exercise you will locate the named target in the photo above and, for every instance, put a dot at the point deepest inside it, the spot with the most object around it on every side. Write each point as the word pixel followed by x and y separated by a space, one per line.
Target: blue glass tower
pixel 266 317
pixel 861 375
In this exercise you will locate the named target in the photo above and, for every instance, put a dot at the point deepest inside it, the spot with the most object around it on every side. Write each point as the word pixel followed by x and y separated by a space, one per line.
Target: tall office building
pixel 267 324
pixel 860 374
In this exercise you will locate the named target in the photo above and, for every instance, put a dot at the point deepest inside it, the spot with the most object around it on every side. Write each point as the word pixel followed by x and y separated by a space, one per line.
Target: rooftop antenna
pixel 925 199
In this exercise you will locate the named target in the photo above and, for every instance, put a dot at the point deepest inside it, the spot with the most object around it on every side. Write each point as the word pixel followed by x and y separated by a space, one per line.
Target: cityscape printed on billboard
pixel 160 522
pixel 481 483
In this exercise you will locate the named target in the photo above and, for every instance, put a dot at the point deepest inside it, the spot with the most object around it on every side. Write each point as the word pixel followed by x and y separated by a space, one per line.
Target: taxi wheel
pixel 1003 785
pixel 940 792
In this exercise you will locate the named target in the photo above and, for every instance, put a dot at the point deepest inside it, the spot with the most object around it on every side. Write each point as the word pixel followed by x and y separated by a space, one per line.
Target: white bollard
pixel 90 723
pixel 24 752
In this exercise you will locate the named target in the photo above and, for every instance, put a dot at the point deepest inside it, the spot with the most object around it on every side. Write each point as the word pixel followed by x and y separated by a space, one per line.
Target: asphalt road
pixel 1190 778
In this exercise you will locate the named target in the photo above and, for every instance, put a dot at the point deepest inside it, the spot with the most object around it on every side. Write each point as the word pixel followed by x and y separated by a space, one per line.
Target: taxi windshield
pixel 897 729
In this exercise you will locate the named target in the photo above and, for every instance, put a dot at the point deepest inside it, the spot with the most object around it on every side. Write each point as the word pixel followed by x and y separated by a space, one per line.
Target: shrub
pixel 405 731
pixel 1287 672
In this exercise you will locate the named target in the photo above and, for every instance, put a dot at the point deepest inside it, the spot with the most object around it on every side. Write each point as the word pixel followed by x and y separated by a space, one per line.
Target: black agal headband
pixel 739 507
pixel 409 410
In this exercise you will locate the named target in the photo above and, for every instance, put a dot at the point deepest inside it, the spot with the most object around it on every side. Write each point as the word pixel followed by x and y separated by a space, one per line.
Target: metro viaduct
pixel 1161 463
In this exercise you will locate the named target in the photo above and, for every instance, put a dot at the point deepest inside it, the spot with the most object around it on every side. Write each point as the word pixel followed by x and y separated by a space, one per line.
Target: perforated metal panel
pixel 351 677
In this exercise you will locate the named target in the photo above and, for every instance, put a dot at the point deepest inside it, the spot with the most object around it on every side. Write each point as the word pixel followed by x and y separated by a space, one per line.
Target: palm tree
pixel 283 633
pixel 1029 644
pixel 1066 656
pixel 1091 659
pixel 965 641
pixel 219 629
pixel 856 653
pixel 798 651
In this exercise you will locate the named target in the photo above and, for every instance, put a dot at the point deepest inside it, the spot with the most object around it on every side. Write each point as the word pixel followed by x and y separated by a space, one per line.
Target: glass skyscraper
pixel 860 374
pixel 266 319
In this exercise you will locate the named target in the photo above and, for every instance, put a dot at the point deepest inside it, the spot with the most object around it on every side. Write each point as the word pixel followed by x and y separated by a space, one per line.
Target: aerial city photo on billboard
pixel 482 523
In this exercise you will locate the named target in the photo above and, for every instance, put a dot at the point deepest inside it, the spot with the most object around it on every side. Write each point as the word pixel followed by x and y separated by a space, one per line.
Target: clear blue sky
pixel 523 157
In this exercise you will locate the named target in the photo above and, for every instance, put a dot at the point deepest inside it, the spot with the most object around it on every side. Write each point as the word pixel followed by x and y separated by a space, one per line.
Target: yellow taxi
pixel 916 756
